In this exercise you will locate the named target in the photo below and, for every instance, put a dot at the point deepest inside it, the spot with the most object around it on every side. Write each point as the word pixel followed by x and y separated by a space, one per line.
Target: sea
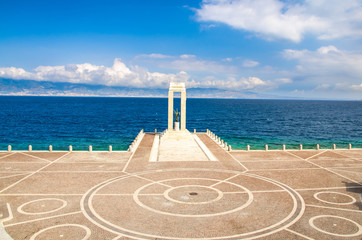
pixel 100 122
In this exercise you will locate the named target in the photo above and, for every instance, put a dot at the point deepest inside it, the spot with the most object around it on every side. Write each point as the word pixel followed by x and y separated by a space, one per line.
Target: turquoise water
pixel 84 121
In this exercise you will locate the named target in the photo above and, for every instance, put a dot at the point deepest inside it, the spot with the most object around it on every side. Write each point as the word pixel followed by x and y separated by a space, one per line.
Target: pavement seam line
pixel 354 166
pixel 40 219
pixel 42 194
pixel 246 169
pixel 224 180
pixel 315 155
pixel 33 173
pixel 341 209
pixel 304 159
pixel 130 158
pixel 327 169
pixel 299 160
pixel 325 188
pixel 299 234
pixel 348 157
pixel 82 171
pixel 13 175
pixel 282 169
pixel 347 171
pixel 29 155
pixel 7 155
pixel 150 180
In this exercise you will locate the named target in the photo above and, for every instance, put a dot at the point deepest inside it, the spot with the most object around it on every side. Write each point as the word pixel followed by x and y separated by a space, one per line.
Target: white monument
pixel 177 87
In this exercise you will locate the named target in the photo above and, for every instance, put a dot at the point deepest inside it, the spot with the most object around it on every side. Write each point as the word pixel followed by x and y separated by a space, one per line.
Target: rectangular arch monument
pixel 177 87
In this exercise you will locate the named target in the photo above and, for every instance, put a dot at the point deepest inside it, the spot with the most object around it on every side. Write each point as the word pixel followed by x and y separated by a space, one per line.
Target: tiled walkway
pixel 121 195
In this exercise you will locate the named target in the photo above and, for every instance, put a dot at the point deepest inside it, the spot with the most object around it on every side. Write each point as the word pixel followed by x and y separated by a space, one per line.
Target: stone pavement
pixel 303 194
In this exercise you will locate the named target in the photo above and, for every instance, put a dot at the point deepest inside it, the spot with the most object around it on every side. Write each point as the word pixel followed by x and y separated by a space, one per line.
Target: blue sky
pixel 305 49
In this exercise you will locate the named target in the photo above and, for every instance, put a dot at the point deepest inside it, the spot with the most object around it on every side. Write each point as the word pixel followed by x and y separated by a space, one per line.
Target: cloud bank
pixel 291 20
pixel 327 65
pixel 137 77
pixel 117 75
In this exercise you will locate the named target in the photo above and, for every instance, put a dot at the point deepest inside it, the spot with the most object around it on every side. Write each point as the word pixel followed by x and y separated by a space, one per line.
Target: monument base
pixel 177 126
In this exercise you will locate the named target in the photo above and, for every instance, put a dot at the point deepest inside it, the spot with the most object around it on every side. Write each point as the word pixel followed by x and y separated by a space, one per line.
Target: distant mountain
pixel 47 88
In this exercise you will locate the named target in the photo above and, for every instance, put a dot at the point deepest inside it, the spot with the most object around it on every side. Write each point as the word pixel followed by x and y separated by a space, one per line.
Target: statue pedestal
pixel 177 126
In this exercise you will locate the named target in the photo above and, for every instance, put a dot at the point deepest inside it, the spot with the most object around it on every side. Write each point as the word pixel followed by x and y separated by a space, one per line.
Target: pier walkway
pixel 181 189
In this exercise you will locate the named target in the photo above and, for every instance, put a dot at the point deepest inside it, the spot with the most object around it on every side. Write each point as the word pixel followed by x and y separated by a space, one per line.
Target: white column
pixel 183 111
pixel 170 110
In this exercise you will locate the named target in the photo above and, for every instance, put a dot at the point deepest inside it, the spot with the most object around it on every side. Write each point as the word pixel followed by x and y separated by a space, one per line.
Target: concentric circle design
pixel 345 221
pixel 182 196
pixel 193 194
pixel 42 206
pixel 71 230
pixel 190 211
pixel 335 195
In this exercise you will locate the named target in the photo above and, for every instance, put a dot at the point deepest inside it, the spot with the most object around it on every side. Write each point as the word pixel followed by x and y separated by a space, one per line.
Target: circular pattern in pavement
pixel 63 231
pixel 42 206
pixel 336 198
pixel 193 194
pixel 339 226
pixel 200 195
pixel 192 204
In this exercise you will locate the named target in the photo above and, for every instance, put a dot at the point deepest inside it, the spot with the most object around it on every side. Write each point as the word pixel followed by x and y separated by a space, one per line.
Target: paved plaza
pixel 206 193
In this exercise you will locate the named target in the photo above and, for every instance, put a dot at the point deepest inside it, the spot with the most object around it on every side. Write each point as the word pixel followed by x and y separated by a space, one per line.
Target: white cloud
pixel 346 87
pixel 117 75
pixel 327 19
pixel 331 72
pixel 250 63
pixel 328 49
pixel 227 60
pixel 283 80
pixel 236 83
pixel 187 56
pixel 327 64
pixel 357 87
pixel 15 73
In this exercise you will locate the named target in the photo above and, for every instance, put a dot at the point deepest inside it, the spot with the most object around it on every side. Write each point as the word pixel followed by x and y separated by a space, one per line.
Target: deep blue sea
pixel 84 121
